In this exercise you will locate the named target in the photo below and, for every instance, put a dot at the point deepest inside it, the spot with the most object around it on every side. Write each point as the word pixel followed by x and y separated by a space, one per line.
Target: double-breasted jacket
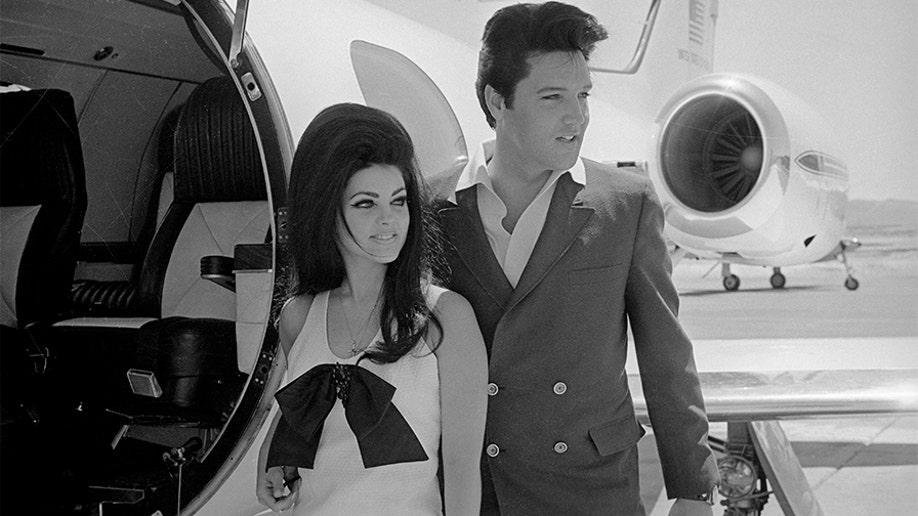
pixel 561 430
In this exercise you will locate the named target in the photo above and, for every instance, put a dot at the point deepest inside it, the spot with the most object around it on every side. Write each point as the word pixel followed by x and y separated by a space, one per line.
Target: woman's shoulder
pixel 453 311
pixel 459 336
pixel 293 317
pixel 446 302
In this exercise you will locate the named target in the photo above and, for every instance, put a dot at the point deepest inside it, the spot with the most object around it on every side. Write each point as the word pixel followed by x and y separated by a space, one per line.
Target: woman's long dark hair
pixel 340 141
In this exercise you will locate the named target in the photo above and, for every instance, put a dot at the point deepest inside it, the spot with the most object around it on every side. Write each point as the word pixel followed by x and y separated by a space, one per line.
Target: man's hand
pixel 685 507
pixel 272 492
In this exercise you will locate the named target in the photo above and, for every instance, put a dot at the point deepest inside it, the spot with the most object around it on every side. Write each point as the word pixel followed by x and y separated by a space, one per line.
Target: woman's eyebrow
pixel 376 195
pixel 370 194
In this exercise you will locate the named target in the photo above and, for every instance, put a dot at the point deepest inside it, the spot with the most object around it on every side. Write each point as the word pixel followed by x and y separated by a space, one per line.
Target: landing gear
pixel 757 462
pixel 777 279
pixel 743 485
pixel 850 282
pixel 731 281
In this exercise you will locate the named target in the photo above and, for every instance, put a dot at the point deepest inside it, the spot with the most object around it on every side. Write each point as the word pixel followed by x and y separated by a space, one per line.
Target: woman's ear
pixel 495 102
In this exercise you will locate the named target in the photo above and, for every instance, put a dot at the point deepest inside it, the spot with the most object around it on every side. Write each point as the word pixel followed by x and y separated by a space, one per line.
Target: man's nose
pixel 576 112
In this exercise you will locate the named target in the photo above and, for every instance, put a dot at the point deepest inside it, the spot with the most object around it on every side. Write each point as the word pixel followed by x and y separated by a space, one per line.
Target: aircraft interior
pixel 138 244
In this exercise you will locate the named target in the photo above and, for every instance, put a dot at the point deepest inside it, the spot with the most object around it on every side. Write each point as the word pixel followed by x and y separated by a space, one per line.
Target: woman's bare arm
pixel 463 367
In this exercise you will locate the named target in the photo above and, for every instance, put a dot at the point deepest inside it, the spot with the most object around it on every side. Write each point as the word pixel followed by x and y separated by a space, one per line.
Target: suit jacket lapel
pixel 566 215
pixel 467 235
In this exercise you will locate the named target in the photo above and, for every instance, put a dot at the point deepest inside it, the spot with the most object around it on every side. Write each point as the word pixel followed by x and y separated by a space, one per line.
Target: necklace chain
pixel 354 347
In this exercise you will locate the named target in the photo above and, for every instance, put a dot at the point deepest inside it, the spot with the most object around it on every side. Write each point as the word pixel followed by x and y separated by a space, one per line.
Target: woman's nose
pixel 385 217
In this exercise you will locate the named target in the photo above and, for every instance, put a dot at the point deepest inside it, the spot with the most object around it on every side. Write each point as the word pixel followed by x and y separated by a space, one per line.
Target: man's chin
pixel 567 164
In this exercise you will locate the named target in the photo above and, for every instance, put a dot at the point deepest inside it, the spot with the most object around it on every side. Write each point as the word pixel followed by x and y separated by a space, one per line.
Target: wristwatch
pixel 708 497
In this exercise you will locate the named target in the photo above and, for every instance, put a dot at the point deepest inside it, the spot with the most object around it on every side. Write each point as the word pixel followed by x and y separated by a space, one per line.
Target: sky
pixel 855 63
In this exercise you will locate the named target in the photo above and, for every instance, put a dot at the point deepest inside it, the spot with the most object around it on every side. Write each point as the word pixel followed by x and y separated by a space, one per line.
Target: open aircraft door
pixel 260 283
pixel 132 67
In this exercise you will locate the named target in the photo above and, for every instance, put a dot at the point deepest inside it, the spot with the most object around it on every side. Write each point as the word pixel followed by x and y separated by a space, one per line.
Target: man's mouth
pixel 567 139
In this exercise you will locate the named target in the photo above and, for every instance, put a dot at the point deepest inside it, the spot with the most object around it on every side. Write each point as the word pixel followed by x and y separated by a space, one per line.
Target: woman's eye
pixel 400 201
pixel 366 203
pixel 585 94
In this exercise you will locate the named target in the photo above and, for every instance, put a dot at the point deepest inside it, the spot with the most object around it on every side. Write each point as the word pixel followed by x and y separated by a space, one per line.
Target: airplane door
pixel 392 82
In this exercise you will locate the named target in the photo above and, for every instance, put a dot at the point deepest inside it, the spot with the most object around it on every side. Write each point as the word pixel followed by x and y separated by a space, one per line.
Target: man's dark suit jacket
pixel 561 433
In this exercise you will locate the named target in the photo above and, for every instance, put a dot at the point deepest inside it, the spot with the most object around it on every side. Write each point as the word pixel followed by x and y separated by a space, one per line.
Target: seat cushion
pixel 16 223
pixel 211 229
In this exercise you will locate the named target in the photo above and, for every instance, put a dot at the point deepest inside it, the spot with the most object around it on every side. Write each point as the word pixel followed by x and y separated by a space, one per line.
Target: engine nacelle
pixel 748 173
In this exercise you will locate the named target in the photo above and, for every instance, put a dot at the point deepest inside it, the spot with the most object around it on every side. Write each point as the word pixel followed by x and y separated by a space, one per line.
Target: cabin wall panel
pixel 118 126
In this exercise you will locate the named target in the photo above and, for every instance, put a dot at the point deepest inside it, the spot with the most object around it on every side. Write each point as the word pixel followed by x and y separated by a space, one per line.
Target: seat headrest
pixel 41 158
pixel 216 153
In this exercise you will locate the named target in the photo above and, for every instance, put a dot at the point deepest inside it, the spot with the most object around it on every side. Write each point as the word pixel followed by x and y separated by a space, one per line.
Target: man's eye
pixel 553 96
pixel 585 94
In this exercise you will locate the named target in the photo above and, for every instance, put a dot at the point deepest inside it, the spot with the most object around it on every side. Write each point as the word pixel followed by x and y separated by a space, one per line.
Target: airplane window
pixel 811 162
pixel 835 167
pixel 822 164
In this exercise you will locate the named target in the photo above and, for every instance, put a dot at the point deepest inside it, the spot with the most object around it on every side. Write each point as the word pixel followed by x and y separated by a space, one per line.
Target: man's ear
pixel 494 101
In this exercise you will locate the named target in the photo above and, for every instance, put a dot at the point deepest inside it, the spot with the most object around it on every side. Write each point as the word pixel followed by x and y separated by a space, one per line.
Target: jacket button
pixel 492 450
pixel 492 389
pixel 560 447
pixel 560 388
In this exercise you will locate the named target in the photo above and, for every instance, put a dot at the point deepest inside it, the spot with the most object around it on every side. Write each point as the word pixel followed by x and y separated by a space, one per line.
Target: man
pixel 555 253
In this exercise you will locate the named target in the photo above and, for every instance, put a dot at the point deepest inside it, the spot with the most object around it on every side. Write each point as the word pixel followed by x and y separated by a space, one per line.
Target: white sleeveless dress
pixel 339 484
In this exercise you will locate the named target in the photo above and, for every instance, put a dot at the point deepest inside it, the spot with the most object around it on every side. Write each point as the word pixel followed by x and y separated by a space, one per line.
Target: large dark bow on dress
pixel 382 433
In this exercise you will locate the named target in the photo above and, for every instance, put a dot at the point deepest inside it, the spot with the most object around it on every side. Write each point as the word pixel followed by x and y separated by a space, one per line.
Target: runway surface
pixel 863 465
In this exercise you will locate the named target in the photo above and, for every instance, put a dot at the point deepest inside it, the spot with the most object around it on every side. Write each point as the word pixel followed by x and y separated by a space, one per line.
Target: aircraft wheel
pixel 851 283
pixel 778 280
pixel 731 282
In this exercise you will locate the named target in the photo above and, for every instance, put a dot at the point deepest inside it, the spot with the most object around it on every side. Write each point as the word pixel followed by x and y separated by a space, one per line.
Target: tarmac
pixel 858 465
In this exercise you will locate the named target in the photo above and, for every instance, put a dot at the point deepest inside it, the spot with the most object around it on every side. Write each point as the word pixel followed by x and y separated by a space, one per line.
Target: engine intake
pixel 711 153
pixel 747 172
pixel 716 142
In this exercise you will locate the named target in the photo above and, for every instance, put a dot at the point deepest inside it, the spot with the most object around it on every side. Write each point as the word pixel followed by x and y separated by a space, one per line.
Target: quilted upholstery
pixel 184 325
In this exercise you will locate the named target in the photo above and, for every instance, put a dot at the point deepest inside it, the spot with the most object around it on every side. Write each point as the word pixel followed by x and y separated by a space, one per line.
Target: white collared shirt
pixel 512 250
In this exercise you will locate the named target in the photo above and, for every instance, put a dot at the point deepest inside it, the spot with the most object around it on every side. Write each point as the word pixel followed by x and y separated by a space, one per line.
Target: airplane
pixel 767 187
pixel 161 90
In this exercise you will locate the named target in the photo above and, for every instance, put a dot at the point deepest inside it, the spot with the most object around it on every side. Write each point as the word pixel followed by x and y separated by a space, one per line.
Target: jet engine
pixel 747 173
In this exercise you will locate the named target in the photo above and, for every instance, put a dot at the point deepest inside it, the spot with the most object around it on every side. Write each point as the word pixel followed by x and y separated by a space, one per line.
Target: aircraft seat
pixel 42 204
pixel 42 207
pixel 185 338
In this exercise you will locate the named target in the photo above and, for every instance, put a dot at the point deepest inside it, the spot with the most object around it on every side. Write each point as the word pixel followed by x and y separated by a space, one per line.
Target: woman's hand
pixel 273 492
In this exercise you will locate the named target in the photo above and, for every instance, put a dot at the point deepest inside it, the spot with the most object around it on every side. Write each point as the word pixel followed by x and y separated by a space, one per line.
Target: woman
pixel 397 363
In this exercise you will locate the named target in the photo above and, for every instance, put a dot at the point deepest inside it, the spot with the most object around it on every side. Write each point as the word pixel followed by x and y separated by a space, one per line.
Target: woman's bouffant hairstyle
pixel 518 32
pixel 340 141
